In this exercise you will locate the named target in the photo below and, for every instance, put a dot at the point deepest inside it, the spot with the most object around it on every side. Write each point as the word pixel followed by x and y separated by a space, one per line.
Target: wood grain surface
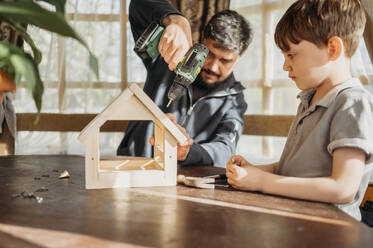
pixel 177 216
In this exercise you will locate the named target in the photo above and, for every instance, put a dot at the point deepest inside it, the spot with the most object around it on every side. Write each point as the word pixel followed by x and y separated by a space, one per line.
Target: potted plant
pixel 17 64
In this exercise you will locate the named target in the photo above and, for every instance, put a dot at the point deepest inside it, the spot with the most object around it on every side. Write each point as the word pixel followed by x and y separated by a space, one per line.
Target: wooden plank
pixel 61 66
pixel 159 143
pixel 64 123
pixel 92 160
pixel 267 125
pixel 95 17
pixel 127 165
pixel 83 85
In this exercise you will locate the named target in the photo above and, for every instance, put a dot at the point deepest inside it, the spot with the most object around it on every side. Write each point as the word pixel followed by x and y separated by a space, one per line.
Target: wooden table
pixel 70 216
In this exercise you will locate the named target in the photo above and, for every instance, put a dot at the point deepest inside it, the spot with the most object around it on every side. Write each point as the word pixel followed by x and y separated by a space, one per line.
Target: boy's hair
pixel 230 30
pixel 318 20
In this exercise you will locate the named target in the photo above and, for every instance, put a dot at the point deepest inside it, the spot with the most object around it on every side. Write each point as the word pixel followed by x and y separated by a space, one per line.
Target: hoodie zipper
pixel 191 106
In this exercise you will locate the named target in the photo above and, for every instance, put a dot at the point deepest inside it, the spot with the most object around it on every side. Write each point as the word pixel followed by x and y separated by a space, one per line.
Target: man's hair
pixel 230 30
pixel 317 21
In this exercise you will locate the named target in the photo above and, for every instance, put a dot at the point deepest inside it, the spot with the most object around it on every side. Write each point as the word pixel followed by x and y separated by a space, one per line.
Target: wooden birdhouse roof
pixel 132 104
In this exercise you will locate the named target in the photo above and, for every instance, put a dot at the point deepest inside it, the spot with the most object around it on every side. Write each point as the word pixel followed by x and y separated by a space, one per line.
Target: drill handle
pixel 146 46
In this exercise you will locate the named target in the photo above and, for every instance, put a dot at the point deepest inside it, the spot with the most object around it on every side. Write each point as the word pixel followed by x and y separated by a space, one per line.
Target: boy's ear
pixel 335 48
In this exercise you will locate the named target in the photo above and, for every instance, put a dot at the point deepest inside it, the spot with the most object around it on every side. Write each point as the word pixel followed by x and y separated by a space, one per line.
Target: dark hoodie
pixel 214 121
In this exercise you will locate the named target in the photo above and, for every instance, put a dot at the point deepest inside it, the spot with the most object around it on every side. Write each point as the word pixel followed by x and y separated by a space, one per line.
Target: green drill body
pixel 186 71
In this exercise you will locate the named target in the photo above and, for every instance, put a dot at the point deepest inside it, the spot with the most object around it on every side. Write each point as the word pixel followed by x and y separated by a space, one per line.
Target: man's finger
pixel 175 58
pixel 165 42
pixel 190 142
pixel 168 54
pixel 151 140
pixel 183 130
pixel 186 145
pixel 161 45
pixel 171 117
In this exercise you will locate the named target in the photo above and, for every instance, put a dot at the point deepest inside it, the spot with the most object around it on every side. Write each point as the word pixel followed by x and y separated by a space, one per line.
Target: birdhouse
pixel 160 170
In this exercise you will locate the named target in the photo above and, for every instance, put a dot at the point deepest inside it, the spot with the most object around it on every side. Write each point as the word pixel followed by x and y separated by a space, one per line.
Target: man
pixel 212 109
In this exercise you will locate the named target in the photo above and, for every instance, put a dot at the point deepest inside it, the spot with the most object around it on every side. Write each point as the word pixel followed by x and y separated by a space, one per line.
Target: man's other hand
pixel 182 151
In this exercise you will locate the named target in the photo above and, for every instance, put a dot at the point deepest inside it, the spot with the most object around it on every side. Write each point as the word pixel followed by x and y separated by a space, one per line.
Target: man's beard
pixel 209 85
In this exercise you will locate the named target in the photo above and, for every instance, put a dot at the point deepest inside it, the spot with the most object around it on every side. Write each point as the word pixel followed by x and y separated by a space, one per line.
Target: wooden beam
pixel 64 123
pixel 248 84
pixel 86 85
pixel 263 125
pixel 95 17
pixel 267 125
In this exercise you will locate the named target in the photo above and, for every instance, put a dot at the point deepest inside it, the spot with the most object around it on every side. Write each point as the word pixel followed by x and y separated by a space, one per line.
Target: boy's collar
pixel 306 95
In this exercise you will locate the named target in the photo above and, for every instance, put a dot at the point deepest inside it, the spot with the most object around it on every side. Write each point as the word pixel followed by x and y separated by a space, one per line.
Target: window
pixel 70 87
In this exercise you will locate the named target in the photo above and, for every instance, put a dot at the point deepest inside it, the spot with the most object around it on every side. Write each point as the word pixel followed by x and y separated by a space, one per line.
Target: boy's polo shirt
pixel 342 118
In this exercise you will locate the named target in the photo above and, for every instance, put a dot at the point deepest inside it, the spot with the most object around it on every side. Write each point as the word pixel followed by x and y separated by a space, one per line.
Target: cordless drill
pixel 186 71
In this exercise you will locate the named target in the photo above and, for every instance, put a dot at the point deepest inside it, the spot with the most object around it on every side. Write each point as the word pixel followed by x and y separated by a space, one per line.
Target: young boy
pixel 330 143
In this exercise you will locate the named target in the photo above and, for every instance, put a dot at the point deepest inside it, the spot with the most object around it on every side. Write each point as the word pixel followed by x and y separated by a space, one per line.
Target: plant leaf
pixel 26 37
pixel 25 67
pixel 4 51
pixel 24 11
pixel 59 4
pixel 5 64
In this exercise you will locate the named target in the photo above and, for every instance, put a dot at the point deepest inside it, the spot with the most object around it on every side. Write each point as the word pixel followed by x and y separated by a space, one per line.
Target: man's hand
pixel 182 151
pixel 243 175
pixel 176 40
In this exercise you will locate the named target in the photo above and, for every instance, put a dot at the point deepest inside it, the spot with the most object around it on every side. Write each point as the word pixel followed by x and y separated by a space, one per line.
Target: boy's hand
pixel 182 151
pixel 243 175
pixel 176 40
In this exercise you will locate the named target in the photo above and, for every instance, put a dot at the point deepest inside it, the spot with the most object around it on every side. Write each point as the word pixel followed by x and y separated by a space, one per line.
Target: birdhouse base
pixel 130 173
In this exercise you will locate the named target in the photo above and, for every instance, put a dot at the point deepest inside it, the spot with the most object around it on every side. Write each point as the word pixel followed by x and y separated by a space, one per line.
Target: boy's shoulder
pixel 352 93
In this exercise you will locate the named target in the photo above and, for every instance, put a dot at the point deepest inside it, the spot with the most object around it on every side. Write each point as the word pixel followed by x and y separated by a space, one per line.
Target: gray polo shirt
pixel 342 118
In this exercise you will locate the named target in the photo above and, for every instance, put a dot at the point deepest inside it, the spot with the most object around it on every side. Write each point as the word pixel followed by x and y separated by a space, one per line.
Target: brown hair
pixel 318 20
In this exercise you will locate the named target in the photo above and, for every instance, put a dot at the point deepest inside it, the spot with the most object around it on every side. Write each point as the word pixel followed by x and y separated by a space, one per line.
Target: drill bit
pixel 169 103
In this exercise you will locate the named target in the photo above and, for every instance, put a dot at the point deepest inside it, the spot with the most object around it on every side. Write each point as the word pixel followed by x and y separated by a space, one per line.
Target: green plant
pixel 20 64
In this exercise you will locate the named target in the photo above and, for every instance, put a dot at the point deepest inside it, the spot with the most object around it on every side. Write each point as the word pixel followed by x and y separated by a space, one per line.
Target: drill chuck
pixel 187 71
pixel 178 88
